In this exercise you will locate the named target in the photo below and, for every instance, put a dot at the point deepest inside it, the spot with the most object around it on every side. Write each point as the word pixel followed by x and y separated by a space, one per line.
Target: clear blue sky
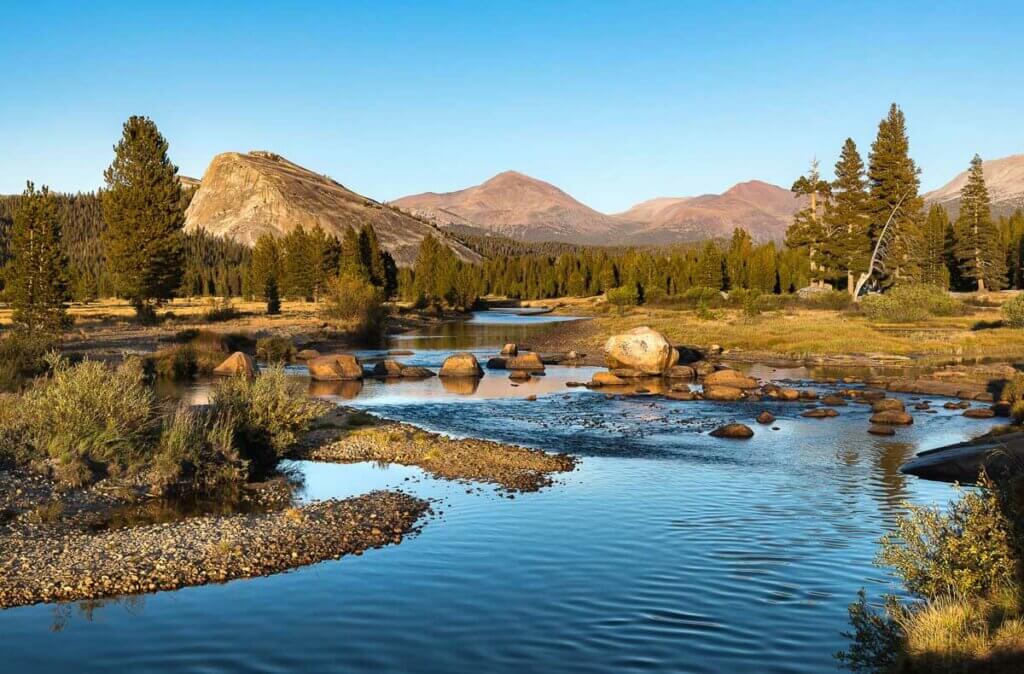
pixel 614 102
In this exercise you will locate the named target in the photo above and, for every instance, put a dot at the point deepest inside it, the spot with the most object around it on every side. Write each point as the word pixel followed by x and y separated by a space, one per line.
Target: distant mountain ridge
pixel 243 196
pixel 515 205
pixel 518 206
pixel 1004 178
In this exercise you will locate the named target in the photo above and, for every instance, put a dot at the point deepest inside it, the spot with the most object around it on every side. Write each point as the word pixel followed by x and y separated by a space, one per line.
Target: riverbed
pixel 665 550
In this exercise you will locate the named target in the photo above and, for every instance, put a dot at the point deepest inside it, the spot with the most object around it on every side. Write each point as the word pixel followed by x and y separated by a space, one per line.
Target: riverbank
pixel 73 566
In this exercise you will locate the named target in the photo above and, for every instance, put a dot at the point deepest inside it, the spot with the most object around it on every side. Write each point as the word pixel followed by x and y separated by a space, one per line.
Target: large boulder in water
pixel 237 363
pixel 388 368
pixel 461 365
pixel 606 379
pixel 529 361
pixel 733 432
pixel 336 367
pixel 643 349
pixel 730 378
pixel 417 372
pixel 723 393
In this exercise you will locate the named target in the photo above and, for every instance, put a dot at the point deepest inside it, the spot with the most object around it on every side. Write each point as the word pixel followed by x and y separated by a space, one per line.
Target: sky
pixel 614 102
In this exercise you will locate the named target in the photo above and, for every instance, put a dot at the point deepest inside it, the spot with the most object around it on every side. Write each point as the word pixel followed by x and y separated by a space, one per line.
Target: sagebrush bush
pixel 88 413
pixel 909 303
pixel 21 358
pixel 966 551
pixel 198 447
pixel 357 303
pixel 271 411
pixel 178 363
pixel 1013 312
pixel 275 350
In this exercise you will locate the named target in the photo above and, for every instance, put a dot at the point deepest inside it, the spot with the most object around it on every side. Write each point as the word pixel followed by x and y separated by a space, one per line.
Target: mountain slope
pixel 1004 179
pixel 762 209
pixel 515 205
pixel 243 196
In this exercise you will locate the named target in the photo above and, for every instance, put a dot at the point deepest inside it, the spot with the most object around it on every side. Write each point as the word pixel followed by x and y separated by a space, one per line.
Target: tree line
pixel 869 228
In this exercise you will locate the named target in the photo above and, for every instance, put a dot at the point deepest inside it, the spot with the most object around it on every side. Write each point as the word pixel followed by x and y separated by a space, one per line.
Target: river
pixel 666 550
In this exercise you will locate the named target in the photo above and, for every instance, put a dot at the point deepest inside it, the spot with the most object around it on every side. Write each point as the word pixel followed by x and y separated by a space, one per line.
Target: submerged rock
pixel 642 349
pixel 733 432
pixel 723 393
pixel 892 417
pixel 307 354
pixel 887 404
pixel 765 417
pixel 979 413
pixel 417 372
pixel 606 379
pixel 680 372
pixel 820 413
pixel 731 378
pixel 881 430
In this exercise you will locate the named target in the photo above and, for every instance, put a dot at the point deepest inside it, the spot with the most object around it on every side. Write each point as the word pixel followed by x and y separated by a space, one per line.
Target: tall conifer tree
pixel 36 274
pixel 848 246
pixel 143 209
pixel 934 247
pixel 979 254
pixel 894 183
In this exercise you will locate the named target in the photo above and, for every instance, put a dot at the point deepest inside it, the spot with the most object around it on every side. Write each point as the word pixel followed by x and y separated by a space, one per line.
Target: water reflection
pixel 343 390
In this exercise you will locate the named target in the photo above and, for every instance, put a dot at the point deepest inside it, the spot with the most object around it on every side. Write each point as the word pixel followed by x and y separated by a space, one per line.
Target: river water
pixel 666 550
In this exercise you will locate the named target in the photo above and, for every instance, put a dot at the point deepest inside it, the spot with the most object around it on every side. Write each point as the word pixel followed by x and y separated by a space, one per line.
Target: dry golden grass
pixel 803 333
pixel 966 635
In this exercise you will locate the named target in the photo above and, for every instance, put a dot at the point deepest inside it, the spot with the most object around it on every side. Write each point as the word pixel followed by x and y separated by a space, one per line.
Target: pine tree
pixel 301 265
pixel 265 265
pixel 737 259
pixel 143 209
pixel 272 296
pixel 36 274
pixel 894 183
pixel 372 256
pixel 709 267
pixel 847 246
pixel 934 247
pixel 978 251
pixel 806 233
pixel 351 259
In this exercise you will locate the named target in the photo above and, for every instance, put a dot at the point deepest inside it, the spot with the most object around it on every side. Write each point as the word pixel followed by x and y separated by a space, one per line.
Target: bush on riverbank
pixel 964 566
pixel 358 304
pixel 1013 312
pixel 21 359
pixel 275 350
pixel 90 419
pixel 911 302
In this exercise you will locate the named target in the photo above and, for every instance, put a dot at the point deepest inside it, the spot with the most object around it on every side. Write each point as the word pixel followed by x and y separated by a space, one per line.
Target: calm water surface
pixel 667 550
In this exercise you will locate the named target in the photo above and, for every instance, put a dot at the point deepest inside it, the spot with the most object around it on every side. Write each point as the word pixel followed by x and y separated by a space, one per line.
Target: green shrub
pixel 21 359
pixel 271 411
pixel 198 447
pixel 835 300
pixel 84 414
pixel 623 296
pixel 909 303
pixel 967 551
pixel 358 303
pixel 178 363
pixel 702 296
pixel 1013 312
pixel 275 350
